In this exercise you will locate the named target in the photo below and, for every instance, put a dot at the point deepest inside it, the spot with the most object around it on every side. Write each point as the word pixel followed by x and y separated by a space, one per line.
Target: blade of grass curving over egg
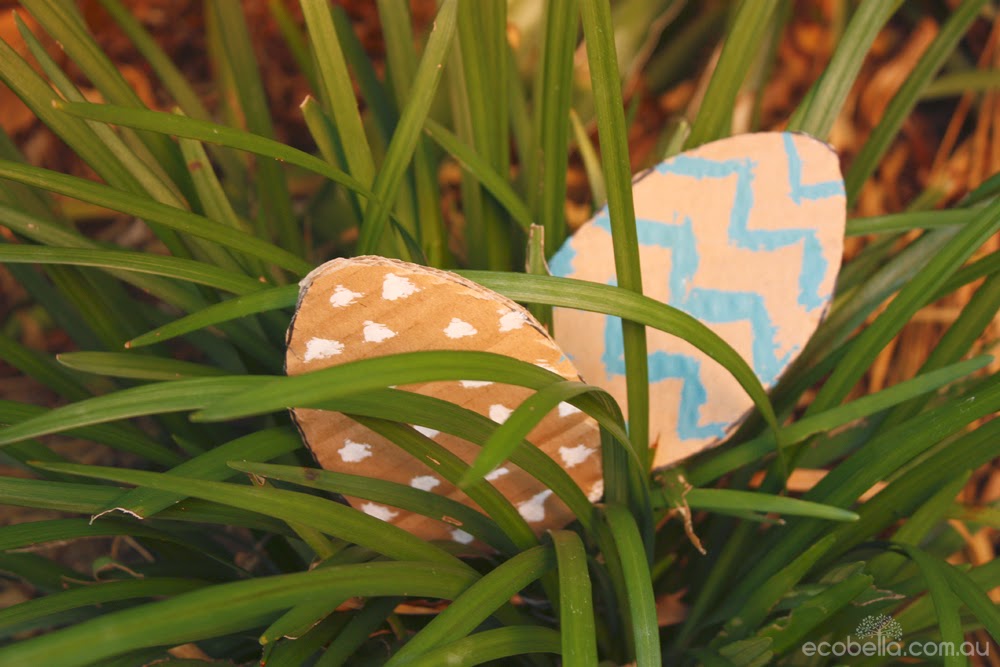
pixel 521 421
pixel 325 515
pixel 471 426
pixel 612 300
pixel 387 493
pixel 733 499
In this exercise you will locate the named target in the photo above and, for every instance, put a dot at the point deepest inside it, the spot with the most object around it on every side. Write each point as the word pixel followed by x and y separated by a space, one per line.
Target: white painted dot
pixel 567 409
pixel 343 297
pixel 429 432
pixel 322 348
pixel 425 482
pixel 379 511
pixel 474 384
pixel 511 320
pixel 376 333
pixel 533 509
pixel 459 329
pixel 353 452
pixel 596 491
pixel 499 413
pixel 397 287
pixel 461 536
pixel 574 456
pixel 496 473
pixel 541 363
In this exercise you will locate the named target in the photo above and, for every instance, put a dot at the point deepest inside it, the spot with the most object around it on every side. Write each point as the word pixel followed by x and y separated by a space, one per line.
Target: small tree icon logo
pixel 876 627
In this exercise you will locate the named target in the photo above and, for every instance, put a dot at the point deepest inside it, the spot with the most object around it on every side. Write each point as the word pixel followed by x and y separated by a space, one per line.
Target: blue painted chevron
pixel 814 265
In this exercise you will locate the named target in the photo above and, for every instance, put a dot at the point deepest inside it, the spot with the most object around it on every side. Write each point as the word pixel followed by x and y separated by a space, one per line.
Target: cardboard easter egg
pixel 351 309
pixel 744 234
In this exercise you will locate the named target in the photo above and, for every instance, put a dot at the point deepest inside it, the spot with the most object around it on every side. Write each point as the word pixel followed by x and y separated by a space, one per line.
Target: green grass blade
pixel 552 127
pixel 212 133
pixel 271 184
pixel 411 122
pixel 477 603
pixel 337 91
pixel 136 366
pixel 491 645
pixel 477 166
pixel 328 516
pixel 638 584
pixel 128 260
pixel 946 601
pixel 355 377
pixel 576 612
pixel 95 594
pixel 599 37
pixel 608 299
pixel 725 500
pixel 525 417
pixel 816 114
pixel 227 608
pixel 143 207
pixel 176 396
pixel 911 298
pixel 386 493
pixel 212 465
pixel 943 46
pixel 356 632
pixel 753 450
pixel 258 302
pixel 747 33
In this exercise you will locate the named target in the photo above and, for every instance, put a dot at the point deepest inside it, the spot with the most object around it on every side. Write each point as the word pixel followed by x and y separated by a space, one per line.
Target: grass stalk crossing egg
pixel 352 309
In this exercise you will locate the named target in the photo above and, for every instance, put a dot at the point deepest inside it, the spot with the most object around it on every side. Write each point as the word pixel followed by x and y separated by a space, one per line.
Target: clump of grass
pixel 267 565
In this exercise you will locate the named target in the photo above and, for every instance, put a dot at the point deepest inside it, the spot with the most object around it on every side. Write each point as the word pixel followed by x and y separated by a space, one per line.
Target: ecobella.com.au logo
pixel 883 636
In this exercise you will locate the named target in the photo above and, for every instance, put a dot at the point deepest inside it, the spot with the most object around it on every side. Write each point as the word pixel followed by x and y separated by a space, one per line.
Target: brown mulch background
pixel 950 145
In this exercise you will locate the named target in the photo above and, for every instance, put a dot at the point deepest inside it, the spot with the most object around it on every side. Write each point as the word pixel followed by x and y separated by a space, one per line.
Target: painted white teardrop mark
pixel 429 432
pixel 322 348
pixel 425 482
pixel 379 511
pixel 511 320
pixel 461 536
pixel 376 333
pixel 474 384
pixel 459 329
pixel 353 452
pixel 343 297
pixel 533 509
pixel 496 473
pixel 574 456
pixel 567 409
pixel 499 413
pixel 397 287
pixel 596 491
